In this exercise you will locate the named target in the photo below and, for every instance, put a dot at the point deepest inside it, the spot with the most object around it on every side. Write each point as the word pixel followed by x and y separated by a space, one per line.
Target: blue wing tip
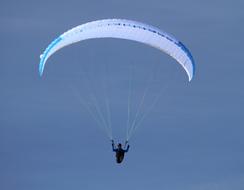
pixel 187 51
pixel 40 73
pixel 41 68
pixel 45 54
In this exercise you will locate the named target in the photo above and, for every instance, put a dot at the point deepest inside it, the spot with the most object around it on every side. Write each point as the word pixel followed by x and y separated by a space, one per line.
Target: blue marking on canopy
pixel 178 43
pixel 184 48
pixel 44 55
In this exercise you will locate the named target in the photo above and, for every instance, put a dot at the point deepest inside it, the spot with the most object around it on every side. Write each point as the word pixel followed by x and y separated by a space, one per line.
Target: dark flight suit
pixel 120 153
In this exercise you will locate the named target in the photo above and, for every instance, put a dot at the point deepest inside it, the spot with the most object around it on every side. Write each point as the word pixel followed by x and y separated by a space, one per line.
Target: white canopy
pixel 123 29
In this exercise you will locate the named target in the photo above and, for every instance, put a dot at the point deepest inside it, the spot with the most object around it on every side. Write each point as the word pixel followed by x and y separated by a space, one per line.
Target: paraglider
pixel 119 151
pixel 128 30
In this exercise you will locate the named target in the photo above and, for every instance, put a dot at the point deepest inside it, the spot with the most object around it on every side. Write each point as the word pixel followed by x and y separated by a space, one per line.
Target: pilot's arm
pixel 113 148
pixel 127 149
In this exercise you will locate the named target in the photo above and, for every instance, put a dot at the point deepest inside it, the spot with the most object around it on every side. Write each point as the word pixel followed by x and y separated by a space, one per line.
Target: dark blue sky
pixel 193 138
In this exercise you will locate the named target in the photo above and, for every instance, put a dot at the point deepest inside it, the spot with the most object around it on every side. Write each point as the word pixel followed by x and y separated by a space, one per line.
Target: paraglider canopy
pixel 123 29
